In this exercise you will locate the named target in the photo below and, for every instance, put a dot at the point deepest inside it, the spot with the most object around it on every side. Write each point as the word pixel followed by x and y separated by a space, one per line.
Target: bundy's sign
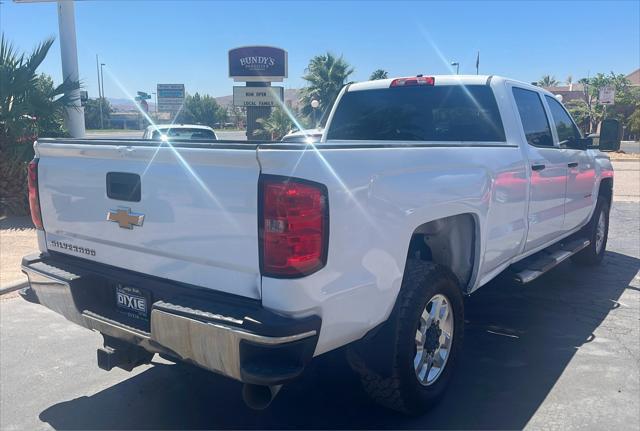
pixel 258 63
pixel 170 97
pixel 257 96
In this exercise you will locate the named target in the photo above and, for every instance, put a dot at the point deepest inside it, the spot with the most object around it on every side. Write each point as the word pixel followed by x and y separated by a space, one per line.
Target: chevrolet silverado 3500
pixel 250 258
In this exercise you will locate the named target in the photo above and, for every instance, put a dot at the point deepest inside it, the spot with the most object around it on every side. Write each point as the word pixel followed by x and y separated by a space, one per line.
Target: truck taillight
pixel 294 226
pixel 417 80
pixel 34 199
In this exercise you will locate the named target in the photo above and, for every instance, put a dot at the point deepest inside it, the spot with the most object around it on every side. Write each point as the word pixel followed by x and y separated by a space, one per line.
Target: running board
pixel 534 266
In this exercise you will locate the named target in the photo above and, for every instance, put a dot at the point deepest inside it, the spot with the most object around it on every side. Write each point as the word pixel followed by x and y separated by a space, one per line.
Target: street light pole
pixel 155 95
pixel 102 76
pixel 102 84
pixel 99 93
pixel 314 105
pixel 457 65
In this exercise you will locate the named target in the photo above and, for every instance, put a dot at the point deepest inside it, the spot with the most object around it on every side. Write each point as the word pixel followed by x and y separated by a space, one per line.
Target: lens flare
pixel 447 64
pixel 323 160
pixel 186 166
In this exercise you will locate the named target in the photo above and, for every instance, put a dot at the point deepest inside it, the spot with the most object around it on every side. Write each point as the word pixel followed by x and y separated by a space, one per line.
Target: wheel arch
pixel 452 242
pixel 605 189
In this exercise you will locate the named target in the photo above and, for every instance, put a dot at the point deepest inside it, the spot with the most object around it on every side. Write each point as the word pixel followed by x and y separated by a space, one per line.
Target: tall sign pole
pixel 74 114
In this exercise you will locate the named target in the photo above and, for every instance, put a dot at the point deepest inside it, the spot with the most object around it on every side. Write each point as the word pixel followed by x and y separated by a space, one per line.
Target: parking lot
pixel 560 353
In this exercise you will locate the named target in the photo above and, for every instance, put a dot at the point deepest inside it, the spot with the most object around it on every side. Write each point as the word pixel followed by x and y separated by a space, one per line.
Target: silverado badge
pixel 125 218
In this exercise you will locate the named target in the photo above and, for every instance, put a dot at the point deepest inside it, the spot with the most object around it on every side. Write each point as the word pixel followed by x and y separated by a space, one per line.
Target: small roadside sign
pixel 257 96
pixel 170 97
pixel 607 95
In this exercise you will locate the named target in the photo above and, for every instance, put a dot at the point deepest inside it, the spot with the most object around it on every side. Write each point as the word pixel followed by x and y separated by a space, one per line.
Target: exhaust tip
pixel 258 397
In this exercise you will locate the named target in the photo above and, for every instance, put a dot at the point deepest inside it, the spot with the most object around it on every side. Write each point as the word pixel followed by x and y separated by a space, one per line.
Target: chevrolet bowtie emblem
pixel 125 218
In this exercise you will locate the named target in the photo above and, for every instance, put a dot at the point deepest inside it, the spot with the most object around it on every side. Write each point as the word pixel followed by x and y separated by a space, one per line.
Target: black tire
pixel 388 374
pixel 591 255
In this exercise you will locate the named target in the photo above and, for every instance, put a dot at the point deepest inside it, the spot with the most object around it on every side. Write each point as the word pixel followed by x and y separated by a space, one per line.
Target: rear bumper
pixel 223 333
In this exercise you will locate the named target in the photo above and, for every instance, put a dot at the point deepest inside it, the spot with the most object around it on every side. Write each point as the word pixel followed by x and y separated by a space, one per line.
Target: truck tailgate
pixel 199 203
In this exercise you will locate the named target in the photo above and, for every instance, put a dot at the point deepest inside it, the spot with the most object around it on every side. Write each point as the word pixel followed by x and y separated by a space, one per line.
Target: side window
pixel 564 126
pixel 534 119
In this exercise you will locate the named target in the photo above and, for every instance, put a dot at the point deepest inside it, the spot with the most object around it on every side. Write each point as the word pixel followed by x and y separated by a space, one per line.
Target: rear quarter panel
pixel 378 196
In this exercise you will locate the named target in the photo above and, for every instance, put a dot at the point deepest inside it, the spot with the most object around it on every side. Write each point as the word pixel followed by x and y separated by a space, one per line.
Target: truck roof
pixel 440 80
pixel 178 126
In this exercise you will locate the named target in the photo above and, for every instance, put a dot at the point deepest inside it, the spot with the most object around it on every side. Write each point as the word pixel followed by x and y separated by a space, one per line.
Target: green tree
pixel 276 125
pixel 201 110
pixel 48 117
pixel 633 124
pixel 548 81
pixel 30 106
pixel 92 113
pixel 238 116
pixel 326 74
pixel 379 74
pixel 580 113
pixel 625 95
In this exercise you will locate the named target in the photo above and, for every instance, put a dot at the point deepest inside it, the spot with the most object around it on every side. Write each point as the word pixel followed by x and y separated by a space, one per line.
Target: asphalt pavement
pixel 561 353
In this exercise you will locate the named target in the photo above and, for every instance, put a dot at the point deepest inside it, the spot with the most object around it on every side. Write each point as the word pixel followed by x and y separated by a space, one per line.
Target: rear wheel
pixel 597 231
pixel 406 365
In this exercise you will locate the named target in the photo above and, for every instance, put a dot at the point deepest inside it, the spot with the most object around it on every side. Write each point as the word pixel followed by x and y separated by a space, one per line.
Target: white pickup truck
pixel 249 259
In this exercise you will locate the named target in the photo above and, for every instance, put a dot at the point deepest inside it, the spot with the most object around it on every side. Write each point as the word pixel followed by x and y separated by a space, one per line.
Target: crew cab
pixel 251 258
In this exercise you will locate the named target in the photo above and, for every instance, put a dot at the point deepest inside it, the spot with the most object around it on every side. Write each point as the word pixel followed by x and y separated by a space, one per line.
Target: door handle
pixel 573 165
pixel 537 167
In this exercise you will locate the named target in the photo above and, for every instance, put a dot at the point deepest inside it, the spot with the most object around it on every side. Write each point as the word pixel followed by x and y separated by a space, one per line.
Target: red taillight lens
pixel 34 199
pixel 416 80
pixel 294 226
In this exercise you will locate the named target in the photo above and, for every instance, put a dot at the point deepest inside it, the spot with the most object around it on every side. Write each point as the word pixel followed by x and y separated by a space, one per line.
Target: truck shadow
pixel 518 341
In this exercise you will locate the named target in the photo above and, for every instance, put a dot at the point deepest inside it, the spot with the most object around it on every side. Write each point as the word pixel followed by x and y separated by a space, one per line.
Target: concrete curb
pixel 14 285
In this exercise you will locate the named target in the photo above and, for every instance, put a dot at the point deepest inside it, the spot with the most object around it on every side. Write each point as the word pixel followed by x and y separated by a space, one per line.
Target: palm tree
pixel 379 74
pixel 325 75
pixel 548 81
pixel 275 126
pixel 28 103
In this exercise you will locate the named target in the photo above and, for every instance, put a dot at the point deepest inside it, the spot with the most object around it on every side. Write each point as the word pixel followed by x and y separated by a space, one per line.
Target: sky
pixel 148 42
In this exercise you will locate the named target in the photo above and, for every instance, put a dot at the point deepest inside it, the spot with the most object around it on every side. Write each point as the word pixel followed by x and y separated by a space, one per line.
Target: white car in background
pixel 179 132
pixel 308 136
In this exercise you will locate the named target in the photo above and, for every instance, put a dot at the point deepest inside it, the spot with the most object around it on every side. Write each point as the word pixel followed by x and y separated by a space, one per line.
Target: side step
pixel 534 266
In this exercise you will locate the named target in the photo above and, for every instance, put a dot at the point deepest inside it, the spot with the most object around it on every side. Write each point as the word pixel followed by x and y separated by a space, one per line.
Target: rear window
pixel 184 133
pixel 422 113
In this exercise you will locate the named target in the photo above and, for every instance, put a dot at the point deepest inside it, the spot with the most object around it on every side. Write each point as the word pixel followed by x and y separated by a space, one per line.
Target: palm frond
pixel 39 54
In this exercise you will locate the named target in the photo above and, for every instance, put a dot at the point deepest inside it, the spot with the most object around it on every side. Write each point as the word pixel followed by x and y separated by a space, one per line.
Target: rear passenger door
pixel 547 166
pixel 581 172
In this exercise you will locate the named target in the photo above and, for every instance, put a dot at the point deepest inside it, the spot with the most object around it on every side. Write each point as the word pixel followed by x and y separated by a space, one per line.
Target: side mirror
pixel 610 135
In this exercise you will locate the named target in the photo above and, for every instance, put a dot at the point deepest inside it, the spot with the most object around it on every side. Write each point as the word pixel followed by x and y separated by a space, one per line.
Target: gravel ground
pixel 17 238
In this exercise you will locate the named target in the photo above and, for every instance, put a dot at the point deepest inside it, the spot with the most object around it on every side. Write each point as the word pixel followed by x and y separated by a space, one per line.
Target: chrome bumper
pixel 210 345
